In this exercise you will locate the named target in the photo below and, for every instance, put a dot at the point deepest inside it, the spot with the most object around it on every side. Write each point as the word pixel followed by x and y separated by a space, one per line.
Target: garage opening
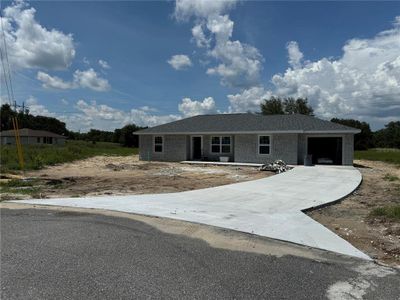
pixel 325 150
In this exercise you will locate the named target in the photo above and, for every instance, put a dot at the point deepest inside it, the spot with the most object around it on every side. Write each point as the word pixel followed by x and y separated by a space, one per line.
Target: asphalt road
pixel 51 255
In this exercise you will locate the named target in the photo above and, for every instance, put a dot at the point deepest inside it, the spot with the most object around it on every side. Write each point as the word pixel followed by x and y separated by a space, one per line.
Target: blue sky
pixel 265 48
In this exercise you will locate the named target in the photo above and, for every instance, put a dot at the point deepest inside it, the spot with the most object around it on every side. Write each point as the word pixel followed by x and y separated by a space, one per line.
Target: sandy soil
pixel 378 237
pixel 110 175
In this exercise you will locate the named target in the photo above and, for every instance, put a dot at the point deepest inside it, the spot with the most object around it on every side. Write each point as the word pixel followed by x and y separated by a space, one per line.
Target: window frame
pixel 263 144
pixel 162 143
pixel 221 144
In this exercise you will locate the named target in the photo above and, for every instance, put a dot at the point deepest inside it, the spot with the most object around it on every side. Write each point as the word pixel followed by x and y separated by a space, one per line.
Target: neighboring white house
pixel 32 137
pixel 249 138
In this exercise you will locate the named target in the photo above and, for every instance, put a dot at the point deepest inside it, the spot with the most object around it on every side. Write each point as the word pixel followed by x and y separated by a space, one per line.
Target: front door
pixel 196 147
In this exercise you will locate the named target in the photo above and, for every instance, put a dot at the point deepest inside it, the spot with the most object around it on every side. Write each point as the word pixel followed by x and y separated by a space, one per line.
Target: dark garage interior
pixel 325 150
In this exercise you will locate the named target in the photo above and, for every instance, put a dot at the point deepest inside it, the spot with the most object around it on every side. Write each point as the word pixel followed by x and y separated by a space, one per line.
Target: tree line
pixel 388 137
pixel 125 135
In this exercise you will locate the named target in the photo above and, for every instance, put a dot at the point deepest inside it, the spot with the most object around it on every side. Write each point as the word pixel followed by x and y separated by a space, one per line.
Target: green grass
pixel 17 186
pixel 379 154
pixel 390 177
pixel 391 212
pixel 39 156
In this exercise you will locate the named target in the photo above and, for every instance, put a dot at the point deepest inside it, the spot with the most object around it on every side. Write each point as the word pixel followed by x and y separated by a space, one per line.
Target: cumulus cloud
pixel 90 114
pixel 53 81
pixel 295 55
pixel 81 79
pixel 180 62
pixel 189 107
pixel 364 82
pixel 38 109
pixel 90 79
pixel 248 99
pixel 237 64
pixel 31 45
pixel 104 64
pixel 199 36
pixel 108 118
pixel 185 9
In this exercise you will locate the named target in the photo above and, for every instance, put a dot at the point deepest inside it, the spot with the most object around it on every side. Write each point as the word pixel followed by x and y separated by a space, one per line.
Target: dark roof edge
pixel 355 131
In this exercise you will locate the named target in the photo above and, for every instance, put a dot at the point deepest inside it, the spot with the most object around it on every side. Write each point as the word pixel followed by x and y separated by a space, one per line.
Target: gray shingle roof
pixel 31 132
pixel 247 123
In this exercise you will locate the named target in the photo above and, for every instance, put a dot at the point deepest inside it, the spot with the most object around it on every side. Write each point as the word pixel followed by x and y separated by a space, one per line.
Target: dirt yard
pixel 379 237
pixel 111 175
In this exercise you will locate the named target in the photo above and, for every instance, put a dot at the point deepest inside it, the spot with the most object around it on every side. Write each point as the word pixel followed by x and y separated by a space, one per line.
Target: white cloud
pixel 53 81
pixel 104 64
pixel 248 100
pixel 81 79
pixel 185 9
pixel 90 79
pixel 189 107
pixel 65 102
pixel 295 55
pixel 38 109
pixel 363 83
pixel 199 36
pixel 237 64
pixel 30 45
pixel 180 61
pixel 86 61
pixel 104 117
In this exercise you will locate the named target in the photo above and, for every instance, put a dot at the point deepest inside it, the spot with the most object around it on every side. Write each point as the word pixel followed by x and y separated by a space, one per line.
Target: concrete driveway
pixel 269 207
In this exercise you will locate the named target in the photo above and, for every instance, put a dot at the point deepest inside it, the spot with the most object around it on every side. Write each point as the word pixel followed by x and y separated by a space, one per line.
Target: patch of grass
pixel 390 212
pixel 379 154
pixel 20 187
pixel 39 156
pixel 390 177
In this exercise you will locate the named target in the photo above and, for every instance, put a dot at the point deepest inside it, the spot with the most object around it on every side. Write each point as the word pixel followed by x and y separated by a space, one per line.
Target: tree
pixel 273 106
pixel 287 106
pixel 388 137
pixel 126 135
pixel 6 114
pixel 362 140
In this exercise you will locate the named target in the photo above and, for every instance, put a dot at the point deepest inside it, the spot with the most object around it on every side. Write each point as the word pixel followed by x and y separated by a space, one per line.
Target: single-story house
pixel 249 138
pixel 32 137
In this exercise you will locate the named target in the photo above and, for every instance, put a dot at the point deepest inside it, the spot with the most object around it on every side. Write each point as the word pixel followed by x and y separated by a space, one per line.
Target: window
pixel 158 143
pixel 38 140
pixel 264 144
pixel 221 144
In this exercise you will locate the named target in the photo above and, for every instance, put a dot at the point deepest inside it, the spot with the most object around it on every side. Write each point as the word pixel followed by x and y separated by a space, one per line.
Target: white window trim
pixel 154 144
pixel 220 144
pixel 270 144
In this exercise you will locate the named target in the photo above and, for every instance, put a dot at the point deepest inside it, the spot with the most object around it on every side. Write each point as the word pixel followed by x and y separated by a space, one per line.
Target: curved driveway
pixel 269 207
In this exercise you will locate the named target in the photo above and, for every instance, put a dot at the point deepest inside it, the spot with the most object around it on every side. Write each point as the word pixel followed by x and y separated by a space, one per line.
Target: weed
pixel 390 212
pixel 39 156
pixel 390 177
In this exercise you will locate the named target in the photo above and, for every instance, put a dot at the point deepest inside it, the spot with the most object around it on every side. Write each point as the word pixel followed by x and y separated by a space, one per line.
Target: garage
pixel 325 150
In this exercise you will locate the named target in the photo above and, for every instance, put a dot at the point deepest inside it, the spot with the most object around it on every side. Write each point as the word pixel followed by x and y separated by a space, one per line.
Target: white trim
pixel 154 143
pixel 191 145
pixel 220 144
pixel 258 145
pixel 326 136
pixel 216 133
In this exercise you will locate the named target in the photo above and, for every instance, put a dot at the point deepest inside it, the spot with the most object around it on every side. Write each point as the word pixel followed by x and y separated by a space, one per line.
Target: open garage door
pixel 325 150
